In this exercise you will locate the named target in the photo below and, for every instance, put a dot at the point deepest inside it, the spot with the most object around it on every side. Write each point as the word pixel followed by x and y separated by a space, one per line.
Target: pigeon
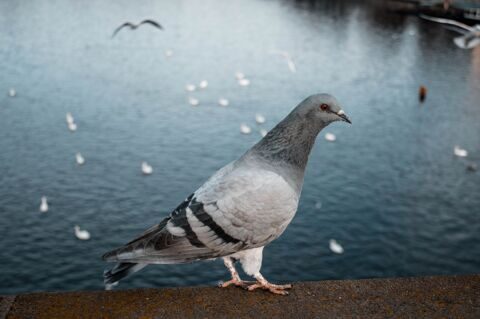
pixel 470 37
pixel 239 210
pixel 135 26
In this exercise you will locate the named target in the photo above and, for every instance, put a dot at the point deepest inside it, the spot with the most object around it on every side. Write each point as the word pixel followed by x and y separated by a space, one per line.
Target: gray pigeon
pixel 243 207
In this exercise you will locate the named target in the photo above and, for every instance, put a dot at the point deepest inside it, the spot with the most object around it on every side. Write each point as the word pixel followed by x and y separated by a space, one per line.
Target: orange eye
pixel 324 107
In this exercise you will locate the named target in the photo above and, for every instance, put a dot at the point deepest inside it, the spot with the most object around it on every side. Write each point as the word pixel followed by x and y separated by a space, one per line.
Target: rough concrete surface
pixel 427 297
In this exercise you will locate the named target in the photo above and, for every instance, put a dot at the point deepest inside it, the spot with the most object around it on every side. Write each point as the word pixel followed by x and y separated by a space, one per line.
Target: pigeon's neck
pixel 289 143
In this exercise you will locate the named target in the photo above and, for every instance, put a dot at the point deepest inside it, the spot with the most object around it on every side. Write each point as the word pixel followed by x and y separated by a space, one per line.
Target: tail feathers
pixel 119 271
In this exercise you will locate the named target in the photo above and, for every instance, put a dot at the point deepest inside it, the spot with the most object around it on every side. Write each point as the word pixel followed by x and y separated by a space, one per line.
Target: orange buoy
pixel 422 93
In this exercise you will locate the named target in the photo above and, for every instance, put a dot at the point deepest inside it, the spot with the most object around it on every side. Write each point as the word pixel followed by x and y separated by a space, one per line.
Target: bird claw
pixel 236 282
pixel 276 289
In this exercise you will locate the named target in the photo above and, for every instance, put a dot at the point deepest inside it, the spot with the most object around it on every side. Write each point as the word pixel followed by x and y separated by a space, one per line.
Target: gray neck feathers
pixel 288 145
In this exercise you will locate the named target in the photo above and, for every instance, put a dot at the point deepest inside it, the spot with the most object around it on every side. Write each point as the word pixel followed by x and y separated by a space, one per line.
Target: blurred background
pixel 389 189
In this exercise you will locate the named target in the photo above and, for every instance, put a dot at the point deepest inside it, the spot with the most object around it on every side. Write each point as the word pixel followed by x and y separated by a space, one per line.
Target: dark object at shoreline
pixel 422 93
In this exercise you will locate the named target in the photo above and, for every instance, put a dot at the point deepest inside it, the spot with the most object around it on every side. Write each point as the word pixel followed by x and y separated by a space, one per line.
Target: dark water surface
pixel 390 189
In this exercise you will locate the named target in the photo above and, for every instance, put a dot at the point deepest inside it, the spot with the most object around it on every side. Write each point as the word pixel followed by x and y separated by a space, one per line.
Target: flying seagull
pixel 135 26
pixel 470 35
pixel 238 211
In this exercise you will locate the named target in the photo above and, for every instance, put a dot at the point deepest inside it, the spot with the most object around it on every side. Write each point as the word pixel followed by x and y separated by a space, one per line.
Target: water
pixel 389 189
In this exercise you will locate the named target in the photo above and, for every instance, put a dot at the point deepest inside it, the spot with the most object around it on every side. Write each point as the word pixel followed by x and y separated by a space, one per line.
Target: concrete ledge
pixel 428 297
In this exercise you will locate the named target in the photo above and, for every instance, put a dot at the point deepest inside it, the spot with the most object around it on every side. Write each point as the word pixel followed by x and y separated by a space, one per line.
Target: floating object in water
pixel 470 37
pixel 263 132
pixel 239 75
pixel 335 247
pixel 422 93
pixel 69 118
pixel 203 84
pixel 44 205
pixel 72 127
pixel 146 168
pixel 190 87
pixel 318 205
pixel 288 58
pixel 245 129
pixel 460 152
pixel 12 92
pixel 244 82
pixel 193 101
pixel 259 118
pixel 81 234
pixel 168 53
pixel 472 167
pixel 223 102
pixel 135 26
pixel 330 137
pixel 80 159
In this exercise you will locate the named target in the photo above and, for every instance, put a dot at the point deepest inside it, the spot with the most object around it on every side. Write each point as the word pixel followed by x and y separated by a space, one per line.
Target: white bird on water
pixel 335 246
pixel 259 118
pixel 80 159
pixel 146 168
pixel 223 102
pixel 330 137
pixel 72 127
pixel 193 101
pixel 69 118
pixel 460 152
pixel 263 132
pixel 44 205
pixel 245 129
pixel 81 234
pixel 12 92
pixel 288 58
pixel 203 84
pixel 244 82
pixel 239 75
pixel 190 87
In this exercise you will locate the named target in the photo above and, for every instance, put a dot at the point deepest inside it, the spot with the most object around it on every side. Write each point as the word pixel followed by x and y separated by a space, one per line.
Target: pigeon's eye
pixel 324 107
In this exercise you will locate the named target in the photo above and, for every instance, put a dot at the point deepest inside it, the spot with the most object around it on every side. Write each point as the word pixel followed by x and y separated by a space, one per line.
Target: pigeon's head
pixel 321 108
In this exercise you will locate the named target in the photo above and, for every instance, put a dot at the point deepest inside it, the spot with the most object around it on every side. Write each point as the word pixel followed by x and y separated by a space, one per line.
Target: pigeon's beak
pixel 344 117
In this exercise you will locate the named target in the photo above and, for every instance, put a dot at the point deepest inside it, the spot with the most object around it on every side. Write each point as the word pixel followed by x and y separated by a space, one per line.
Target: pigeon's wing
pixel 152 22
pixel 126 24
pixel 448 22
pixel 235 210
pixel 250 204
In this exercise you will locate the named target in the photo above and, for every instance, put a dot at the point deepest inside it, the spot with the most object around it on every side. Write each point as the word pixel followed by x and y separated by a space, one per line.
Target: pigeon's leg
pixel 264 284
pixel 235 277
pixel 251 261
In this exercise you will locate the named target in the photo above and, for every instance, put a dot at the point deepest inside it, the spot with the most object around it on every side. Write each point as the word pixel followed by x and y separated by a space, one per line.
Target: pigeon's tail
pixel 112 277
